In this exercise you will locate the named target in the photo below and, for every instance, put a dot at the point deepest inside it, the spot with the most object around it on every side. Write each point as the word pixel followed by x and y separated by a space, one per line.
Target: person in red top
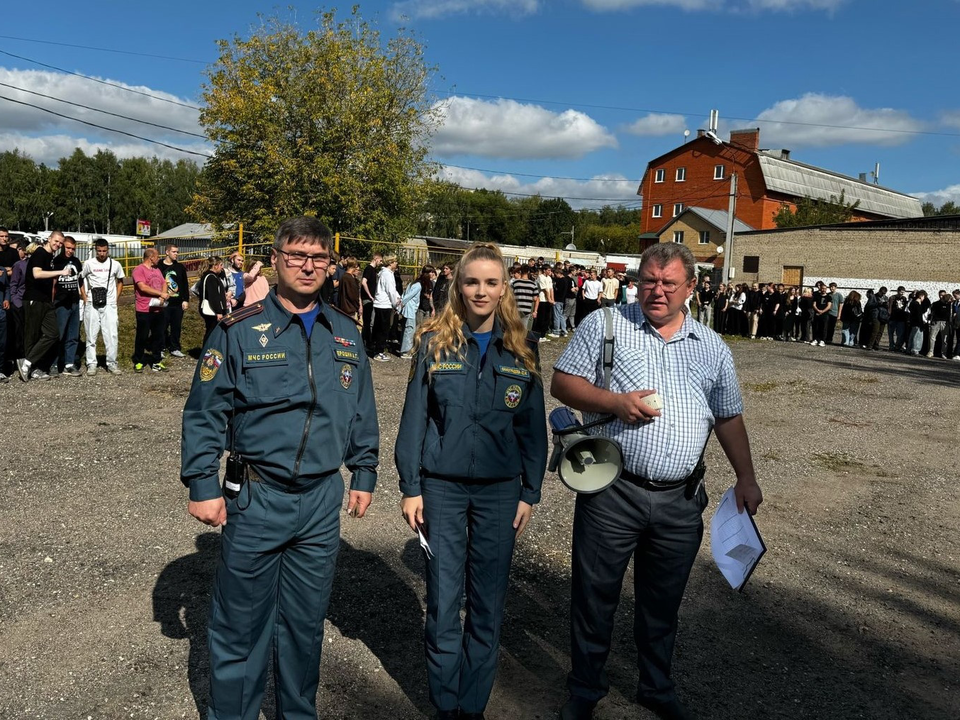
pixel 150 292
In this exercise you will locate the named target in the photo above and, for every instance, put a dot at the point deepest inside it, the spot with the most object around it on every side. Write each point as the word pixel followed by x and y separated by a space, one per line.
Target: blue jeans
pixel 68 325
pixel 409 327
pixel 558 322
pixel 896 333
pixel 848 332
pixel 916 339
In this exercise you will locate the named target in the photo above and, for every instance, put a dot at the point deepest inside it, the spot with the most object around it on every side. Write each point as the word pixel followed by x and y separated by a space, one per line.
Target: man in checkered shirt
pixel 653 511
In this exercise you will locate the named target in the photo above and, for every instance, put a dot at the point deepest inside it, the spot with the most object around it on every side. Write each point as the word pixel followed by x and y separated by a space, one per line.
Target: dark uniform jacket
pixel 302 407
pixel 464 423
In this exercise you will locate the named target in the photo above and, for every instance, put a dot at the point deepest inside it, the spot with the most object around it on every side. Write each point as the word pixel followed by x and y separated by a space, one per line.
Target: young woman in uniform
pixel 471 452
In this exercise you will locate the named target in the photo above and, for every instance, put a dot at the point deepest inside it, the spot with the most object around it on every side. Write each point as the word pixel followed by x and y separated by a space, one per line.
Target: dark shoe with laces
pixel 671 709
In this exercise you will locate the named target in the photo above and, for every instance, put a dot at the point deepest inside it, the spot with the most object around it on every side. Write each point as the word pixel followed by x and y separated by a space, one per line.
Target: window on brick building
pixel 658 211
pixel 751 263
pixel 678 236
pixel 704 237
pixel 681 174
pixel 719 172
pixel 677 209
pixel 660 175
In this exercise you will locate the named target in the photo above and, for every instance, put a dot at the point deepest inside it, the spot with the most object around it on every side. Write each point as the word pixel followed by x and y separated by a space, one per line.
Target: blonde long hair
pixel 448 338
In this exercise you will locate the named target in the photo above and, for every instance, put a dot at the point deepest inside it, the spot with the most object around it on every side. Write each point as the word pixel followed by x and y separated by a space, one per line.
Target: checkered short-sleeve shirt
pixel 693 373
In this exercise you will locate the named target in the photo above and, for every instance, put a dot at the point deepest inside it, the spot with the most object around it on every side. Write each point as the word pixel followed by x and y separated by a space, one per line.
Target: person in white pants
pixel 102 284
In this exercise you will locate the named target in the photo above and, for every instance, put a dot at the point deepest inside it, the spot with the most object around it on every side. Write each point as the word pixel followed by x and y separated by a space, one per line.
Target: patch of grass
pixel 761 387
pixel 837 461
pixel 867 379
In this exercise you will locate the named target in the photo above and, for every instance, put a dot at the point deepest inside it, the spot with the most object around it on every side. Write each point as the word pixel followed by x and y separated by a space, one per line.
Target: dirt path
pixel 854 613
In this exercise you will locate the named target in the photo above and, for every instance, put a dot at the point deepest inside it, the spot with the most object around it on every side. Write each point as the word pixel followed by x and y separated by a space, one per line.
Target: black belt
pixel 648 484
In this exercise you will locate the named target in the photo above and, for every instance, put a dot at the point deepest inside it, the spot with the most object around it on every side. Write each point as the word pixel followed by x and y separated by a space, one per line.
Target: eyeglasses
pixel 298 260
pixel 668 287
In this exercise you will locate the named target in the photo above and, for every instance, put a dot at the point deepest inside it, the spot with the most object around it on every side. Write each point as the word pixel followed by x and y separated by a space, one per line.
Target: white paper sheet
pixel 735 541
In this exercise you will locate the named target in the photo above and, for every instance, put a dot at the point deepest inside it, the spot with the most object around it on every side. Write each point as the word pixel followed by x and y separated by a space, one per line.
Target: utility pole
pixel 728 243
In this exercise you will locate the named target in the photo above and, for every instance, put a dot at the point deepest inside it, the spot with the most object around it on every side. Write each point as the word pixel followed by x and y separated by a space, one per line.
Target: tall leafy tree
pixel 330 122
pixel 811 211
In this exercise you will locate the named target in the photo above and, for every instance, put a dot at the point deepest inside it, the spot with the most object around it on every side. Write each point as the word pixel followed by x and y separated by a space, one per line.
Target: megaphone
pixel 585 463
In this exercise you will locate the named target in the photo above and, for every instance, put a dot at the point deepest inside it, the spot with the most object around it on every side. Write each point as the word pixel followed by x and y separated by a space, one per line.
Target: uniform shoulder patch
pixel 247 311
pixel 210 364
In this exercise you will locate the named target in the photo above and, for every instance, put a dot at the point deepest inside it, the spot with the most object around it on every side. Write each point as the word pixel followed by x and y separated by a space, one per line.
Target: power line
pixel 105 112
pixel 102 127
pixel 100 49
pixel 98 80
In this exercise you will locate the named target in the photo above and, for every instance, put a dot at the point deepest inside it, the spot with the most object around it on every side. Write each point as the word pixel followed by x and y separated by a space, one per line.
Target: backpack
pixel 883 313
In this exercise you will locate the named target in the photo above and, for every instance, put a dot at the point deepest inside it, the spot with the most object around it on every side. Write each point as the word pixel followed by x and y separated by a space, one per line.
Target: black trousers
pixel 41 332
pixel 831 328
pixel 148 341
pixel 541 324
pixel 383 318
pixel 173 324
pixel 367 331
pixel 661 531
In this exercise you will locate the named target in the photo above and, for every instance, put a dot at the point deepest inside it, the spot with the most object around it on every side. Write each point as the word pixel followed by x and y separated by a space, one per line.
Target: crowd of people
pixel 903 321
pixel 46 294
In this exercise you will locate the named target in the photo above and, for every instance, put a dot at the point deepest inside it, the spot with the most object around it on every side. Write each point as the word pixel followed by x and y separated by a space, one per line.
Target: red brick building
pixel 697 174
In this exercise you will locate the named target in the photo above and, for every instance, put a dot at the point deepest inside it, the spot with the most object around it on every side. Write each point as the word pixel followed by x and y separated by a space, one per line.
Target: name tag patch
pixel 514 371
pixel 265 358
pixel 446 367
pixel 347 355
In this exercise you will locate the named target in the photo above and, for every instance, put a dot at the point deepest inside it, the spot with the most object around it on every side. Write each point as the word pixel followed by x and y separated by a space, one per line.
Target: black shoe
pixel 577 709
pixel 671 709
pixel 471 716
pixel 448 714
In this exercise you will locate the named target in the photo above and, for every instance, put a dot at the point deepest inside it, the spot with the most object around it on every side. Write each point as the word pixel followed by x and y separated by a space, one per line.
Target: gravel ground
pixel 853 613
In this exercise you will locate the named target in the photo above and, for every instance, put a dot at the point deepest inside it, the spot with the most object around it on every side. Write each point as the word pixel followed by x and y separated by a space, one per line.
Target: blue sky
pixel 568 98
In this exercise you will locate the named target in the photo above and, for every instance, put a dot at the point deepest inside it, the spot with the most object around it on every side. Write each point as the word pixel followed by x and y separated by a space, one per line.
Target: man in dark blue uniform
pixel 285 386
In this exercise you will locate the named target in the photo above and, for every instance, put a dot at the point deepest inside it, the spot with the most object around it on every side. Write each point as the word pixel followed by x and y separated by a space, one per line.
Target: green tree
pixel 330 122
pixel 813 211
pixel 948 208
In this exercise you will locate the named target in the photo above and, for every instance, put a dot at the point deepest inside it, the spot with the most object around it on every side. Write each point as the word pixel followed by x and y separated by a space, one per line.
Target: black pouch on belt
pixel 234 477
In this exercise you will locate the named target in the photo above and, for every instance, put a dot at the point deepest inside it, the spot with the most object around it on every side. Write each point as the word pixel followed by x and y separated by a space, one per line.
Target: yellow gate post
pixel 240 240
pixel 336 243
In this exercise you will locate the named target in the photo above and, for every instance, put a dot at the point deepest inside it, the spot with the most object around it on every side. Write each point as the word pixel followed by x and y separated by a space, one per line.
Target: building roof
pixel 948 223
pixel 793 178
pixel 188 230
pixel 718 218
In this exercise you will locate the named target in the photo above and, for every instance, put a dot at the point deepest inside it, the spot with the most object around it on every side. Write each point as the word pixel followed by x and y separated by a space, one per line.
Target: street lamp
pixel 46 221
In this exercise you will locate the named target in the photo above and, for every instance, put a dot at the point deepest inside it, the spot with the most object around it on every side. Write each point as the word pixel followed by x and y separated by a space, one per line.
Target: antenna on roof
pixel 714 121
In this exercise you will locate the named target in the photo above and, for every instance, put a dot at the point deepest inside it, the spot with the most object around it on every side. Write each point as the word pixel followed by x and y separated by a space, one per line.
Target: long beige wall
pixel 859 259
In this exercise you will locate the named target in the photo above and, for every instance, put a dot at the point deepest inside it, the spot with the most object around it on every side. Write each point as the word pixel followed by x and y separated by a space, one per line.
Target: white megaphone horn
pixel 585 463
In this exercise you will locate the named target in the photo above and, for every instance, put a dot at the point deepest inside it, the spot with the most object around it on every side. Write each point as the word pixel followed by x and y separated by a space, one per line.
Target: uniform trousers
pixel 270 596
pixel 470 530
pixel 662 531
pixel 101 321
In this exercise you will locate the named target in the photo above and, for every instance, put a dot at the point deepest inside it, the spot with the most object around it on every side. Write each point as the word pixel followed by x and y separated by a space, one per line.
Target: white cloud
pixel 657 124
pixel 950 118
pixel 939 197
pixel 825 120
pixel 715 5
pixel 429 9
pixel 49 149
pixel 611 189
pixel 508 129
pixel 24 124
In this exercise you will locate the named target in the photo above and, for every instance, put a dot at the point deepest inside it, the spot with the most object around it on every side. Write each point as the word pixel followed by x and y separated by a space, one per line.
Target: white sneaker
pixel 39 374
pixel 552 334
pixel 91 370
pixel 23 367
pixel 382 357
pixel 406 356
pixel 813 342
pixel 822 343
pixel 176 354
pixel 956 357
pixel 114 370
pixel 544 339
pixel 4 378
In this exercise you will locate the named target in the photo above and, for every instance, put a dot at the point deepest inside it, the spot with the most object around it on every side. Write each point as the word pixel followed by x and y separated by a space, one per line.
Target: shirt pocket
pixel 631 371
pixel 448 382
pixel 266 373
pixel 510 387
pixel 346 361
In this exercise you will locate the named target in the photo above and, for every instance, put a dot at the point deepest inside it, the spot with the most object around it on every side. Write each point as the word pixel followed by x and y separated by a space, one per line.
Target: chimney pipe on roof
pixel 748 138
